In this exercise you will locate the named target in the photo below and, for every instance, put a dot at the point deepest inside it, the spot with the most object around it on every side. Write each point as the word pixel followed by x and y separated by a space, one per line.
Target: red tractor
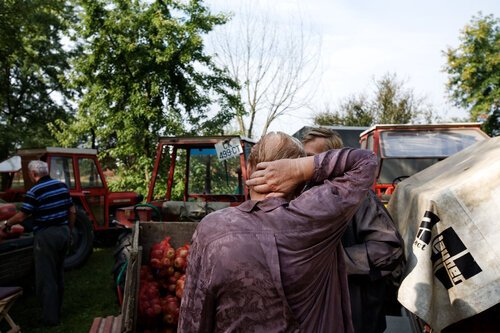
pixel 193 176
pixel 96 205
pixel 404 150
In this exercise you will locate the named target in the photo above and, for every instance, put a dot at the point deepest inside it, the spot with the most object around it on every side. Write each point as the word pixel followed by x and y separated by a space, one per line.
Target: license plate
pixel 228 149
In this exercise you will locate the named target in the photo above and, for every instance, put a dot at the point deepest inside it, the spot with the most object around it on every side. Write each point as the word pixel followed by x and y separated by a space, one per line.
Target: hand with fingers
pixel 281 177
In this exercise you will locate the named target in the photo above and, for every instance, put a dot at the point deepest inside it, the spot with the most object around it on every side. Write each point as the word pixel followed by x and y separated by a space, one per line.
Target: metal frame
pixel 191 142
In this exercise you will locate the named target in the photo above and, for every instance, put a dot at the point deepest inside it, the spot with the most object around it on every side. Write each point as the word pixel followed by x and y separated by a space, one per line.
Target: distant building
pixel 349 134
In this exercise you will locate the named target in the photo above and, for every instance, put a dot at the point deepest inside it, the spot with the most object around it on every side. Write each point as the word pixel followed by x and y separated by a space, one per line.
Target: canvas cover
pixel 449 218
pixel 12 164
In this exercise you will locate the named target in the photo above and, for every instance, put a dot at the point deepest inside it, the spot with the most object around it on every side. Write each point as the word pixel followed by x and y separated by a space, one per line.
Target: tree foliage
pixel 474 67
pixel 143 73
pixel 392 103
pixel 33 64
pixel 492 124
pixel 353 111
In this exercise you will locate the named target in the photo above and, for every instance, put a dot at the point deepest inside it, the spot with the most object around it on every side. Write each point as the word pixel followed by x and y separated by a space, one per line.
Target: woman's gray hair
pixel 39 167
pixel 275 146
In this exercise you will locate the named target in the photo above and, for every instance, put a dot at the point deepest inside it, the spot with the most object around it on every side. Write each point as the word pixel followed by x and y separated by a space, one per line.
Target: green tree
pixel 143 73
pixel 353 111
pixel 492 124
pixel 33 64
pixel 392 103
pixel 474 67
pixel 328 118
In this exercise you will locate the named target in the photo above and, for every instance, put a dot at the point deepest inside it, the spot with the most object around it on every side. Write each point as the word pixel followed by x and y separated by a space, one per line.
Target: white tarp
pixel 12 164
pixel 449 217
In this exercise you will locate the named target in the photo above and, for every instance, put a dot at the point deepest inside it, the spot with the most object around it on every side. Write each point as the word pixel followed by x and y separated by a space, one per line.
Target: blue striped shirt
pixel 48 201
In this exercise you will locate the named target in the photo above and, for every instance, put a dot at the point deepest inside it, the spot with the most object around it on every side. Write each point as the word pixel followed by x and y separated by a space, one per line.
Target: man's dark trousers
pixel 51 245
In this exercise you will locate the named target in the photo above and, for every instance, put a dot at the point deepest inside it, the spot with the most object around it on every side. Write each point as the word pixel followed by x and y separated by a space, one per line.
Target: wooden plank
pixel 136 272
pixel 131 283
pixel 95 325
pixel 117 324
pixel 109 324
pixel 135 301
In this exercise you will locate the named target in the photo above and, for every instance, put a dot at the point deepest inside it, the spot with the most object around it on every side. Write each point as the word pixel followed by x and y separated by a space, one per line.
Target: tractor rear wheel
pixel 122 255
pixel 82 239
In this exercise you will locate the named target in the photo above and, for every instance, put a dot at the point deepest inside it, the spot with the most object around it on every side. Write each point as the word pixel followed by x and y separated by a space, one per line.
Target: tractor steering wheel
pixel 398 179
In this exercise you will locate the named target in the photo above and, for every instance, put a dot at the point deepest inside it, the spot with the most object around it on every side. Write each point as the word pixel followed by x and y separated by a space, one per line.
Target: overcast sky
pixel 362 40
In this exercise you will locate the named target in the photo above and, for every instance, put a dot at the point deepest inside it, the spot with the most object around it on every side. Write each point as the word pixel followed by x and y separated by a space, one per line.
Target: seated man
pixel 274 263
pixel 372 244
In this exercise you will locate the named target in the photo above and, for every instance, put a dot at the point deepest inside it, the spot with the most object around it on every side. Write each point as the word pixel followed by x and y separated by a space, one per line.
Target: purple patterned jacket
pixel 276 265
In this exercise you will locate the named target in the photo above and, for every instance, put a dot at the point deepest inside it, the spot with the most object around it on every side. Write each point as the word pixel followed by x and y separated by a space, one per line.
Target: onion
pixel 180 263
pixel 166 262
pixel 162 286
pixel 170 253
pixel 182 252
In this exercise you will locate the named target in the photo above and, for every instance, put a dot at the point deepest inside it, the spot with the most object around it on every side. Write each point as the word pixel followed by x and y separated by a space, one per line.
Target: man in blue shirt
pixel 49 204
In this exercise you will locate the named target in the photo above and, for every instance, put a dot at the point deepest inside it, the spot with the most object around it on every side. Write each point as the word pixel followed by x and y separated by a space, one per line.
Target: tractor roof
pixel 418 127
pixel 200 140
pixel 54 150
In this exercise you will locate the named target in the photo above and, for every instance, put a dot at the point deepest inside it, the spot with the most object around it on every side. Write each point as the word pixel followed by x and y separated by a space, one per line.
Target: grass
pixel 89 293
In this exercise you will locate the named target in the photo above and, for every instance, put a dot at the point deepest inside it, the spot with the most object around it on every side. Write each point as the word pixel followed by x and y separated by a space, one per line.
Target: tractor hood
pixel 12 164
pixel 447 215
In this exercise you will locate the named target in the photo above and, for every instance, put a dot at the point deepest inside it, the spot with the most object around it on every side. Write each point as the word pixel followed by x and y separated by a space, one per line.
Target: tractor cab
pixel 193 176
pixel 404 150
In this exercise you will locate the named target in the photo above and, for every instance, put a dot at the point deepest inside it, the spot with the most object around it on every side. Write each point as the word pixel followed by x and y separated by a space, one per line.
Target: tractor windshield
pixel 209 175
pixel 406 152
pixel 200 169
pixel 421 144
